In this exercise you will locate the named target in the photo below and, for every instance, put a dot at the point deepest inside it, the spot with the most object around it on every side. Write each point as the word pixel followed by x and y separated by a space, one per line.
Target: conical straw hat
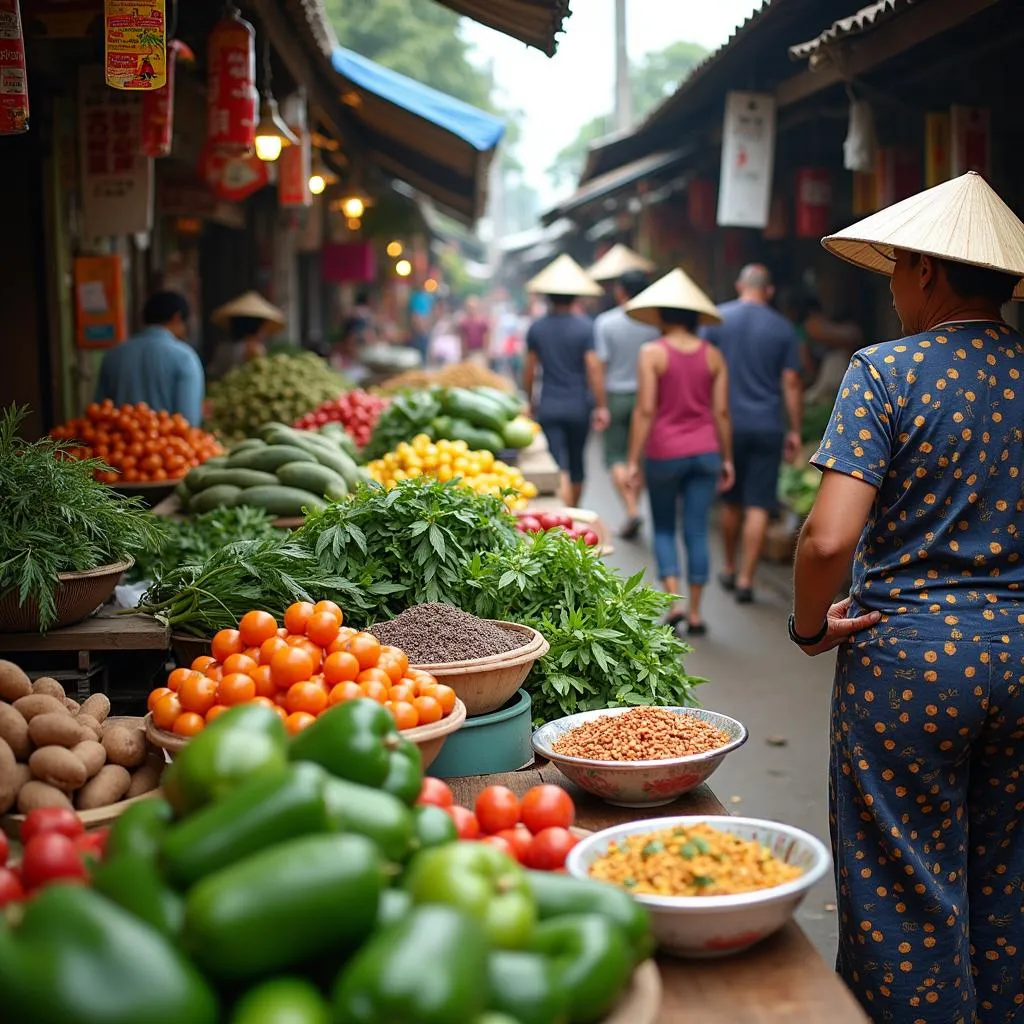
pixel 673 291
pixel 251 304
pixel 564 277
pixel 619 260
pixel 963 220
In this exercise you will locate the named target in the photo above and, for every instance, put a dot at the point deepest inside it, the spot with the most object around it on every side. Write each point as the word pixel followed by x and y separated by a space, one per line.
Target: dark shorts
pixel 757 458
pixel 616 437
pixel 567 440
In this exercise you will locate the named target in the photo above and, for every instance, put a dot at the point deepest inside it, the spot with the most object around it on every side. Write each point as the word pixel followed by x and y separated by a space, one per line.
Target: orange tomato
pixel 297 721
pixel 282 632
pixel 375 691
pixel 280 710
pixel 239 663
pixel 264 681
pixel 423 689
pixel 308 697
pixel 374 675
pixel 340 667
pixel 270 647
pixel 188 724
pixel 198 694
pixel 264 701
pixel 314 651
pixel 291 665
pixel 445 696
pixel 215 672
pixel 404 714
pixel 340 642
pixel 366 649
pixel 330 606
pixel 344 691
pixel 428 709
pixel 322 628
pixel 297 615
pixel 235 688
pixel 160 691
pixel 257 627
pixel 401 692
pixel 252 652
pixel 217 709
pixel 394 661
pixel 225 643
pixel 417 675
pixel 202 663
pixel 177 677
pixel 166 711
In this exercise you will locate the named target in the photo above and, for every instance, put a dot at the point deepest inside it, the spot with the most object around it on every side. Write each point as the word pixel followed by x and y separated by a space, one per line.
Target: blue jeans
pixel 694 480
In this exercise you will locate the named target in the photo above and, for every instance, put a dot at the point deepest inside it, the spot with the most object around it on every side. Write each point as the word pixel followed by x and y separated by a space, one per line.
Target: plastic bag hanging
pixel 859 147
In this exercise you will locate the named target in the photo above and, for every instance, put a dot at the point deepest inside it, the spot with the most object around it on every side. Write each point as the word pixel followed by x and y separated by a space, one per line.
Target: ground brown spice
pixel 641 734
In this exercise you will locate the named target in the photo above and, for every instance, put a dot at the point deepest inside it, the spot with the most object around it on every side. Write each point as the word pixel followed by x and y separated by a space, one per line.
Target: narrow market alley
pixel 756 675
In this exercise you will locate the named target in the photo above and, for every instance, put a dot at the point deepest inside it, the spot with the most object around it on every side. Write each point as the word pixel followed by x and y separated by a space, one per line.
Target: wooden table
pixel 782 980
pixel 106 631
pixel 539 467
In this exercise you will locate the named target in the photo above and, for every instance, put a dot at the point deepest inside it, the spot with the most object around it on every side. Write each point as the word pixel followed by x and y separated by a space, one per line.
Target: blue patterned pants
pixel 925 797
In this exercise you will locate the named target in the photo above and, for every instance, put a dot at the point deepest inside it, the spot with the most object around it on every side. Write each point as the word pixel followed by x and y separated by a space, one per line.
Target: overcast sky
pixel 578 83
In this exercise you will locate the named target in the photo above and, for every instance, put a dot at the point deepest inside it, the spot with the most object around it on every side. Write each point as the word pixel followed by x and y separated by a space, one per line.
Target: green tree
pixel 567 165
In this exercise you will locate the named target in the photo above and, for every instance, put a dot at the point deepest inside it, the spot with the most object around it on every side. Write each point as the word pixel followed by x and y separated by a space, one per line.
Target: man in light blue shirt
pixel 156 366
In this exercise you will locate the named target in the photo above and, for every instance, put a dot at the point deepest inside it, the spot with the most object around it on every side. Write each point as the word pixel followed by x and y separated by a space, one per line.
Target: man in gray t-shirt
pixel 617 341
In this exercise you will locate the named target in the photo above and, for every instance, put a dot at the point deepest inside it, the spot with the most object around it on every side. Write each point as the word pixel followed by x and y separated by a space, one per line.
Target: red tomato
pixel 5 848
pixel 549 848
pixel 436 792
pixel 50 856
pixel 92 844
pixel 465 822
pixel 518 839
pixel 50 819
pixel 500 844
pixel 547 806
pixel 10 887
pixel 497 808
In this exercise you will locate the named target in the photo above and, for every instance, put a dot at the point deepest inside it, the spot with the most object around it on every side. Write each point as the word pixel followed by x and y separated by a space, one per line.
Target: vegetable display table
pixel 106 631
pixel 539 467
pixel 782 980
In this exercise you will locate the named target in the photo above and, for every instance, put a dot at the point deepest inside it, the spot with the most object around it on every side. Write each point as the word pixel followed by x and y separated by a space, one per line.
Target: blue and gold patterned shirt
pixel 936 423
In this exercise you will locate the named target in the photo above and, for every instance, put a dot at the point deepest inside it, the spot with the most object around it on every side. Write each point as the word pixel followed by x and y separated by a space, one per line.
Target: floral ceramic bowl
pixel 638 783
pixel 715 926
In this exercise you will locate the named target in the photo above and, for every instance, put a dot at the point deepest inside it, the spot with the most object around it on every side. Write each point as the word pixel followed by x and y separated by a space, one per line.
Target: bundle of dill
pixel 55 517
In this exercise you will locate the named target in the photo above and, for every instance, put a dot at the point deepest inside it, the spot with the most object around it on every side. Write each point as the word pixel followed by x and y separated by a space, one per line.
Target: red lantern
pixel 813 202
pixel 13 75
pixel 158 111
pixel 232 99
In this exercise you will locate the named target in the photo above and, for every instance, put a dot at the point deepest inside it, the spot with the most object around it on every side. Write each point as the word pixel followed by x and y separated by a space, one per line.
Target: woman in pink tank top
pixel 681 430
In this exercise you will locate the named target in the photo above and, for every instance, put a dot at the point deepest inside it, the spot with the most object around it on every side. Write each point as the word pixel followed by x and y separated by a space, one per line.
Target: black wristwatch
pixel 806 641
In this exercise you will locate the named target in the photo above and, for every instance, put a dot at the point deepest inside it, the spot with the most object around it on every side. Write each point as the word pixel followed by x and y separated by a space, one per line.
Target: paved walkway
pixel 756 675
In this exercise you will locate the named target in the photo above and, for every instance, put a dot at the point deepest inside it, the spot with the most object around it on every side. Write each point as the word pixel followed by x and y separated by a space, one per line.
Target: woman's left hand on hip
pixel 841 628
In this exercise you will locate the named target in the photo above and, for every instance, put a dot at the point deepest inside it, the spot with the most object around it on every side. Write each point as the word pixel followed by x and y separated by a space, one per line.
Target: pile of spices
pixel 432 634
pixel 641 734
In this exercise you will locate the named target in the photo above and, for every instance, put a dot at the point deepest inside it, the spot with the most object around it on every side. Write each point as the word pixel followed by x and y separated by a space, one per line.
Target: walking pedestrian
pixel 618 338
pixel 570 396
pixel 762 351
pixel 681 427
pixel 474 330
pixel 921 488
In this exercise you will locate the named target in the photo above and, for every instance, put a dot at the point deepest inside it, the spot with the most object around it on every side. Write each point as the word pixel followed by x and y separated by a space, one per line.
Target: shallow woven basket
pixel 78 595
pixel 535 642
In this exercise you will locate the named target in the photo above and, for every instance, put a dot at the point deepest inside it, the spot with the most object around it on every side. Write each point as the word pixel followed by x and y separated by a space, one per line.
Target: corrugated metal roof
pixel 534 22
pixel 863 20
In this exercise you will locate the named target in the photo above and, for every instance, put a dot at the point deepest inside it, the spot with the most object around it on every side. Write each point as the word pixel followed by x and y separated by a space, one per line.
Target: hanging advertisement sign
pixel 233 178
pixel 232 100
pixel 135 36
pixel 748 159
pixel 813 202
pixel 117 178
pixel 13 76
pixel 158 109
pixel 100 320
pixel 938 149
pixel 971 133
pixel 293 166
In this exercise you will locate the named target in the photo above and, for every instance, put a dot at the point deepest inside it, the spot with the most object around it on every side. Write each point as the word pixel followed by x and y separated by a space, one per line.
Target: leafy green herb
pixel 55 517
pixel 410 413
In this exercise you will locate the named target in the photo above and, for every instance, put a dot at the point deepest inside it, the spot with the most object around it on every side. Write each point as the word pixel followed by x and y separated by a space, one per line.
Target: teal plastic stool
pixel 489 744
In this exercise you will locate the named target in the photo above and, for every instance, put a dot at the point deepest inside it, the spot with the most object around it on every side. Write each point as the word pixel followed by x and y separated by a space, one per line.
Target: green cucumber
pixel 330 455
pixel 194 478
pixel 238 478
pixel 217 462
pixel 268 459
pixel 249 444
pixel 316 479
pixel 480 411
pixel 505 399
pixel 182 493
pixel 221 496
pixel 477 438
pixel 280 500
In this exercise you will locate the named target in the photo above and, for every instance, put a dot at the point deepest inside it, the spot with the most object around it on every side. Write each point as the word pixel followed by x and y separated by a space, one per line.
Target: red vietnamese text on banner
pixel 813 202
pixel 158 109
pixel 135 36
pixel 233 178
pixel 293 166
pixel 100 319
pixel 701 202
pixel 13 76
pixel 232 100
pixel 343 262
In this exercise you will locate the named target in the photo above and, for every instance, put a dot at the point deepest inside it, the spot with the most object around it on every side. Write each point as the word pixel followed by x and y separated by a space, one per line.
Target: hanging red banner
pixel 158 108
pixel 293 167
pixel 232 100
pixel 13 76
pixel 233 178
pixel 813 202
pixel 135 37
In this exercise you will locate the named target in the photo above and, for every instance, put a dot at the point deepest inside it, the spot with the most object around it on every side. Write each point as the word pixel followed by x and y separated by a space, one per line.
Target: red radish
pixel 590 537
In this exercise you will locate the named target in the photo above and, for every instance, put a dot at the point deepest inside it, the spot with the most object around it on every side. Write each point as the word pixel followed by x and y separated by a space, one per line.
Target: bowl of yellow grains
pixel 713 885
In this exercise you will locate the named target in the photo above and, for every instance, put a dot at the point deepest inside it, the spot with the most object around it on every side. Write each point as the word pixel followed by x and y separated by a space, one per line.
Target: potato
pixel 14 729
pixel 13 682
pixel 124 746
pixel 56 730
pixel 58 767
pixel 22 775
pixel 72 705
pixel 44 684
pixel 39 704
pixel 36 794
pixel 108 787
pixel 147 778
pixel 90 723
pixel 91 754
pixel 97 705
pixel 8 777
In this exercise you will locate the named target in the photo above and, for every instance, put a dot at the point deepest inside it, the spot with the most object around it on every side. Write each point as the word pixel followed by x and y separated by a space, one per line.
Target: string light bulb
pixel 272 134
pixel 403 268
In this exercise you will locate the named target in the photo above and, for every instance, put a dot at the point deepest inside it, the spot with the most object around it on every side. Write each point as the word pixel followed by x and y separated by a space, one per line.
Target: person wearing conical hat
pixel 921 491
pixel 249 320
pixel 680 432
pixel 618 262
pixel 569 397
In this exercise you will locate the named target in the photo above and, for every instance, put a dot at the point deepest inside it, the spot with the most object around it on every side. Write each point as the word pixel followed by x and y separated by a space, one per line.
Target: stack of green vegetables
pixel 56 517
pixel 296 881
pixel 798 487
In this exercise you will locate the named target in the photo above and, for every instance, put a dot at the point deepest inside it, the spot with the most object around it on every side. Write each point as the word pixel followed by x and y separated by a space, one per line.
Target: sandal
pixel 631 528
pixel 727 580
pixel 744 595
pixel 696 629
pixel 674 619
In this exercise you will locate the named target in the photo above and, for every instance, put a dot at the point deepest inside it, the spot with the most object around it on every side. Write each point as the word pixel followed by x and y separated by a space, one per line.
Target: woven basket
pixel 78 595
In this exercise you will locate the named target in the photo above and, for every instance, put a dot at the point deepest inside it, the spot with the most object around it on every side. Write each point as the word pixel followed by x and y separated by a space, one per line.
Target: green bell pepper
pixel 246 741
pixel 592 959
pixel 134 882
pixel 433 826
pixel 483 881
pixel 369 812
pixel 282 1001
pixel 394 905
pixel 405 771
pixel 525 986
pixel 494 1018
pixel 261 812
pixel 558 895
pixel 425 969
pixel 138 829
pixel 353 740
pixel 76 957
pixel 279 908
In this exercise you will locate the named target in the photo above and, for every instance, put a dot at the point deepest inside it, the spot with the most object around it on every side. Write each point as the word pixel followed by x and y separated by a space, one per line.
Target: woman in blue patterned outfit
pixel 922 485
